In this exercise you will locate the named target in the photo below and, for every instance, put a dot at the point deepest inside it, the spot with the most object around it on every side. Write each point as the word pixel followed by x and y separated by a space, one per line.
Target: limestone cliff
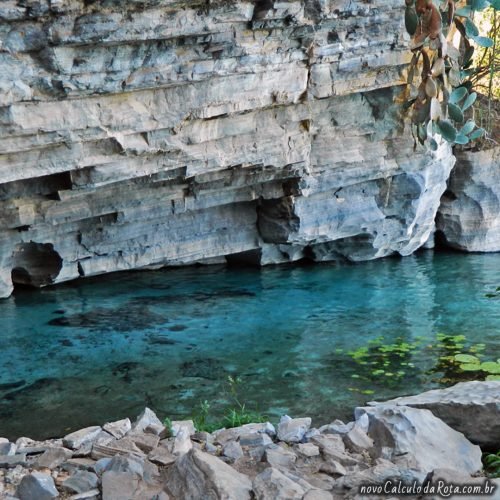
pixel 469 216
pixel 164 132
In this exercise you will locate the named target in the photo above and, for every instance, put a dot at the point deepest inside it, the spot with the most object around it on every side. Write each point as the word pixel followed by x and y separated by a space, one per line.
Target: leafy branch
pixel 447 74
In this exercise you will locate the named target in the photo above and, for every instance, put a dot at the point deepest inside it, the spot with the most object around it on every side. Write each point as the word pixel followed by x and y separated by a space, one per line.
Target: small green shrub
pixel 491 462
pixel 235 412
pixel 168 424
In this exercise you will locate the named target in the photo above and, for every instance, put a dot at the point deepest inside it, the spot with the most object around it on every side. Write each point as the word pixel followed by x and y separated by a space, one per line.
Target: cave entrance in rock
pixel 35 264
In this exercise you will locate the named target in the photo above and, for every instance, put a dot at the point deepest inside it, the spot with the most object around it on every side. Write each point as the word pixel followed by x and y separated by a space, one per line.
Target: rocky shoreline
pixel 395 443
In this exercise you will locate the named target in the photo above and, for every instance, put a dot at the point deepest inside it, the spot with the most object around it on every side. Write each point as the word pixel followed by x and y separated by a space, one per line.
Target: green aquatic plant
pixel 389 362
pixel 491 463
pixel 452 360
pixel 488 369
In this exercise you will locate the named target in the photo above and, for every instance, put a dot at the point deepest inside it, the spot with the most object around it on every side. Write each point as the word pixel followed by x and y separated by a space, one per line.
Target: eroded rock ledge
pixel 163 132
pixel 145 460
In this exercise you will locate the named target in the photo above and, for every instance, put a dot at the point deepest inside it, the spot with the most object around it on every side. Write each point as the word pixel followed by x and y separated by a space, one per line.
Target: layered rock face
pixel 469 216
pixel 165 132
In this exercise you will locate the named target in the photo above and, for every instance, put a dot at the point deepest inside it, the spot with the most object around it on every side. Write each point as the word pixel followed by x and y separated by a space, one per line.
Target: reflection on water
pixel 91 351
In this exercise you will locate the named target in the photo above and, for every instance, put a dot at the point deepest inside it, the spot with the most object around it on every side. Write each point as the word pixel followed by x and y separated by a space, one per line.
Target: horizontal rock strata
pixel 146 460
pixel 166 132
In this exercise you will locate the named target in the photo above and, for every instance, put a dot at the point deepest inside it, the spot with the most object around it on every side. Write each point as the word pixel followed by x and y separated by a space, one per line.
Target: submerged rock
pixel 208 368
pixel 122 319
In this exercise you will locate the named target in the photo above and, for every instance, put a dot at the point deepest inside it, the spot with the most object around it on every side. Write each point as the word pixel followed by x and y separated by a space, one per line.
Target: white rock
pixel 119 428
pixel 308 449
pixel 187 425
pixel 233 450
pixel 271 484
pixel 416 439
pixel 195 473
pixel 37 486
pixel 81 437
pixel 182 442
pixel 472 408
pixel 146 418
pixel 293 430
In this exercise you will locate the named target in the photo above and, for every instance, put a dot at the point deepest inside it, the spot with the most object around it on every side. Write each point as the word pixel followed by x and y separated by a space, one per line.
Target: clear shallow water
pixel 91 351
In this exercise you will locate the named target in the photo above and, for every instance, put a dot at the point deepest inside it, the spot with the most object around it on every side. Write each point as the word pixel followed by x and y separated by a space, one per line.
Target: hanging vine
pixel 444 93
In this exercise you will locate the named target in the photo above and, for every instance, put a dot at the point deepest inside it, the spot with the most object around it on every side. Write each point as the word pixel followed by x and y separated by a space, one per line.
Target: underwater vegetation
pixel 450 359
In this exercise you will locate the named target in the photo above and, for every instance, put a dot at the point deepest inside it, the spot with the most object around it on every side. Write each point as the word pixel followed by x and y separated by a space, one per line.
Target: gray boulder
pixel 416 439
pixel 147 419
pixel 37 486
pixel 348 485
pixel 293 430
pixel 198 475
pixel 81 437
pixel 9 461
pixel 120 485
pixel 130 465
pixel 53 457
pixel 119 428
pixel 472 408
pixel 233 450
pixel 224 435
pixel 188 425
pixel 279 457
pixel 7 448
pixel 81 482
pixel 271 484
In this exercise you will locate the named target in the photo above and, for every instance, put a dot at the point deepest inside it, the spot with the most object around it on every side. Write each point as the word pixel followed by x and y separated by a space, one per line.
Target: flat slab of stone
pixel 8 461
pixel 416 439
pixel 53 457
pixel 162 456
pixel 472 408
pixel 271 484
pixel 145 442
pixel 119 428
pixel 81 437
pixel 7 448
pixel 80 482
pixel 119 485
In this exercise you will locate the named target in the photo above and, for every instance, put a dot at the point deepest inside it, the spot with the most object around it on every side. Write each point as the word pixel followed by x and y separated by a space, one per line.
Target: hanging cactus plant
pixel 444 93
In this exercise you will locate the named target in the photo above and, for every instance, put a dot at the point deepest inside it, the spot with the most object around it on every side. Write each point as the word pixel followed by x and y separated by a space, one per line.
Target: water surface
pixel 100 349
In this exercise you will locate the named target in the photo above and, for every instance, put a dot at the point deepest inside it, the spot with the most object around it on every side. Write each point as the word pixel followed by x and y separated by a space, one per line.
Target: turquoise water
pixel 91 351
